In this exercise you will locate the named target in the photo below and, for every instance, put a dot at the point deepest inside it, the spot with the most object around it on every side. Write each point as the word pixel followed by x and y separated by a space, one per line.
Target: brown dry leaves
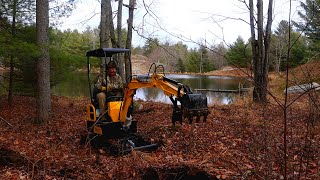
pixel 235 142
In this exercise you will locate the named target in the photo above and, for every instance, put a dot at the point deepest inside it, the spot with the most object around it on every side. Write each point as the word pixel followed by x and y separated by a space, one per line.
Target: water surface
pixel 76 85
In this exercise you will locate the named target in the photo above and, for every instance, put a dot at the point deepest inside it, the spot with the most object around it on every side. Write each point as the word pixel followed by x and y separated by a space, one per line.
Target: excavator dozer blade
pixel 194 105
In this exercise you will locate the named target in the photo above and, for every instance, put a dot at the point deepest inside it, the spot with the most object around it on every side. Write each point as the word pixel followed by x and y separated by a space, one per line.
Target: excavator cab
pixel 105 124
pixel 107 56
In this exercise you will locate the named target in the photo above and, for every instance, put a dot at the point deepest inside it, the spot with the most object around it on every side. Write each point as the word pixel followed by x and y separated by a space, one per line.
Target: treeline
pixel 67 48
pixel 18 45
pixel 178 57
pixel 301 39
pixel 67 51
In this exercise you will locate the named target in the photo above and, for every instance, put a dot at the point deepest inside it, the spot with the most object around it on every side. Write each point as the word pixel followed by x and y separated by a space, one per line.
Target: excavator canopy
pixel 105 52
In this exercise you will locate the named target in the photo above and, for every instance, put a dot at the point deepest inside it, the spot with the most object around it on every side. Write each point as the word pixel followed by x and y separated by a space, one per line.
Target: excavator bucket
pixel 194 106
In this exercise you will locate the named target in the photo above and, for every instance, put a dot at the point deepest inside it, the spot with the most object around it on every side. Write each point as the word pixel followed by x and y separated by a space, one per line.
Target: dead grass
pixel 309 72
pixel 140 64
pixel 233 72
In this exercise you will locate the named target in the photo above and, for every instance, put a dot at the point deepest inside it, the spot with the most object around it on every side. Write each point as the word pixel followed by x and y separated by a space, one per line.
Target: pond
pixel 76 85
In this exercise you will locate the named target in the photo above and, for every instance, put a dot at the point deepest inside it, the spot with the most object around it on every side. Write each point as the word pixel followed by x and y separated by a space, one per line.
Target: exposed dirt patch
pixel 140 64
pixel 231 72
pixel 309 72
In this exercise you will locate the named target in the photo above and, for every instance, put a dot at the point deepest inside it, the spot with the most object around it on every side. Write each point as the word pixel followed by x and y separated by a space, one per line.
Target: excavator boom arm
pixel 191 104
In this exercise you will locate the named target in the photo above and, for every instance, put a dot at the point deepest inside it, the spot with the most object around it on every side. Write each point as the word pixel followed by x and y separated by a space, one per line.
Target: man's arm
pixel 99 82
pixel 120 85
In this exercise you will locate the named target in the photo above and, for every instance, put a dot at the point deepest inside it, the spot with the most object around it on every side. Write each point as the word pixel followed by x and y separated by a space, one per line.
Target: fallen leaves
pixel 236 142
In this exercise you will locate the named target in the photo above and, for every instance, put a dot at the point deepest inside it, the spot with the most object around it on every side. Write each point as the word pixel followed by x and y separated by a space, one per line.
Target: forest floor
pixel 244 140
pixel 240 141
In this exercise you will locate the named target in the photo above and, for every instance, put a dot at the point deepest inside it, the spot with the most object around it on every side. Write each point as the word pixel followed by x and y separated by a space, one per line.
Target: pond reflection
pixel 76 85
pixel 198 82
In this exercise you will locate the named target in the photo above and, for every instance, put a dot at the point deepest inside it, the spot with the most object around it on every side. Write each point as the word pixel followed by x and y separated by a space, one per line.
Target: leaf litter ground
pixel 236 142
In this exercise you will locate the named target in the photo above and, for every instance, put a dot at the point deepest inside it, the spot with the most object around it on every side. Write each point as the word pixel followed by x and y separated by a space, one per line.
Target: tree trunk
pixel 104 28
pixel 129 39
pixel 43 63
pixel 10 90
pixel 254 42
pixel 260 51
pixel 119 23
pixel 13 33
pixel 119 41
pixel 110 24
pixel 279 50
pixel 257 70
pixel 265 62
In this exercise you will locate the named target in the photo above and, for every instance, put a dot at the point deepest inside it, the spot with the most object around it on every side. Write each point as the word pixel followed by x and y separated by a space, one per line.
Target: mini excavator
pixel 117 122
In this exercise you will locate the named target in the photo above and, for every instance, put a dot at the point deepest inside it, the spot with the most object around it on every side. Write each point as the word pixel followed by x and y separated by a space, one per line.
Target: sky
pixel 206 21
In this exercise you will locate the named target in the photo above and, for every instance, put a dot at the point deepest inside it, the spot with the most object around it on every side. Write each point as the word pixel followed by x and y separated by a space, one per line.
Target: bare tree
pixel 43 63
pixel 129 37
pixel 260 49
pixel 119 23
pixel 110 23
pixel 123 71
pixel 107 27
pixel 107 32
pixel 104 27
pixel 13 31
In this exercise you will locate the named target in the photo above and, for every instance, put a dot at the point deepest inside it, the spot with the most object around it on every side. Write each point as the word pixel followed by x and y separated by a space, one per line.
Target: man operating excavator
pixel 116 121
pixel 110 87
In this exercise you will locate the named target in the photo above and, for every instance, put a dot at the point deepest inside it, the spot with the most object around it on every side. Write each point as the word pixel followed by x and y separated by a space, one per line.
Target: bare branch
pixel 6 121
pixel 88 19
pixel 155 43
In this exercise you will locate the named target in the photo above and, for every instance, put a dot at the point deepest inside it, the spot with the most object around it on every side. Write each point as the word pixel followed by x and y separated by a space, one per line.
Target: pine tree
pixel 311 23
pixel 239 53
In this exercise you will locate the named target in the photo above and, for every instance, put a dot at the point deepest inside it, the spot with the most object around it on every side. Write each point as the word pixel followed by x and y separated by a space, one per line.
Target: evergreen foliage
pixel 311 23
pixel 150 45
pixel 205 62
pixel 280 39
pixel 180 66
pixel 193 61
pixel 299 51
pixel 239 53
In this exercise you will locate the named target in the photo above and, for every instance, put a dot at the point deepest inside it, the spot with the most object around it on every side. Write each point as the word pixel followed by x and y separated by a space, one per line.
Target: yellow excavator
pixel 117 122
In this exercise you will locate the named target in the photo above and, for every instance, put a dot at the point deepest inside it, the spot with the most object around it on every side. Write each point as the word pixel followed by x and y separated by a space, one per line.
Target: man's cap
pixel 112 64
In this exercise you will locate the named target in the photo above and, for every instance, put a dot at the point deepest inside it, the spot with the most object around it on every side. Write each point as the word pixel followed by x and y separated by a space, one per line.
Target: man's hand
pixel 108 89
pixel 103 88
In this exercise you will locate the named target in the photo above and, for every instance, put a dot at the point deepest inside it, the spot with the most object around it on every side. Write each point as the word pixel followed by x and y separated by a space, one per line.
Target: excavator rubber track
pixel 124 145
